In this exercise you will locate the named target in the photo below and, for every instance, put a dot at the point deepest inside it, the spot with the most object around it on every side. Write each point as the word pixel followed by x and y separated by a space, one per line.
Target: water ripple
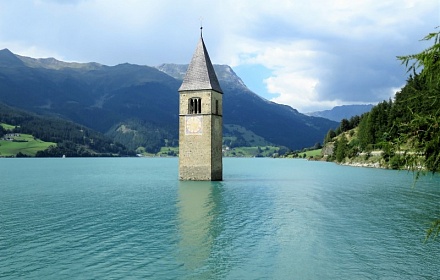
pixel 269 219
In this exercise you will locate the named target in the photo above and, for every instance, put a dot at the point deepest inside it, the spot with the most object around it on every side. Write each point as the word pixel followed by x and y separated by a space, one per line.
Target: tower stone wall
pixel 200 120
pixel 200 149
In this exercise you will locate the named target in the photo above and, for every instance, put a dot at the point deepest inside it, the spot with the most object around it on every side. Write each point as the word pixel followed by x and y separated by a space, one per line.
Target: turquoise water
pixel 269 219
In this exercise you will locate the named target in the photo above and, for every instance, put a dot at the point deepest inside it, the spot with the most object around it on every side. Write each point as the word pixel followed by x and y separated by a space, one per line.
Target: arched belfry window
pixel 195 105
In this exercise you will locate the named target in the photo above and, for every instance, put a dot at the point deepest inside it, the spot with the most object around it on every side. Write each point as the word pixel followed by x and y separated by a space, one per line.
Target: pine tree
pixel 424 124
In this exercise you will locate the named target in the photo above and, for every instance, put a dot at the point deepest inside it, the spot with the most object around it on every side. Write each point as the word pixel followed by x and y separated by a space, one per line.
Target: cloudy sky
pixel 311 55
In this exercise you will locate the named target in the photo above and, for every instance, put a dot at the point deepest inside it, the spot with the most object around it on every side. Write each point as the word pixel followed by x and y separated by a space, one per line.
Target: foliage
pixel 168 151
pixel 102 97
pixel 341 147
pixel 407 129
pixel 72 139
pixel 239 136
pixel 257 151
pixel 421 95
pixel 424 126
pixel 329 136
pixel 428 60
pixel 136 133
pixel 434 230
pixel 22 145
pixel 2 130
pixel 309 153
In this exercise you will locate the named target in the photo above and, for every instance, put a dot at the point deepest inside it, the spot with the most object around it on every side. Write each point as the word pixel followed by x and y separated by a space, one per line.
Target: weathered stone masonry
pixel 200 120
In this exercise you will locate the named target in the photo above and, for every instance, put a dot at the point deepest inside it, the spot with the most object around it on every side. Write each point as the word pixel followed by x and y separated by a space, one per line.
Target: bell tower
pixel 200 120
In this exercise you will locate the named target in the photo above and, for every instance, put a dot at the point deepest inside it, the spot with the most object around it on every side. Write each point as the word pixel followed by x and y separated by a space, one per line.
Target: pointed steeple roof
pixel 200 74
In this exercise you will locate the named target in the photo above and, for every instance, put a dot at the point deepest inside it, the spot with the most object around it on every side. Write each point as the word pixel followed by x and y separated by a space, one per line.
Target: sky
pixel 311 55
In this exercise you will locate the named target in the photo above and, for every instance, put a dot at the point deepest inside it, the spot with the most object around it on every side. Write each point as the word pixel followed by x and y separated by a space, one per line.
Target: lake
pixel 116 218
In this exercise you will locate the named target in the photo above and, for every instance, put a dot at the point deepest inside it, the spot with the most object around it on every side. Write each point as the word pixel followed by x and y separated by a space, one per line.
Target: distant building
pixel 200 120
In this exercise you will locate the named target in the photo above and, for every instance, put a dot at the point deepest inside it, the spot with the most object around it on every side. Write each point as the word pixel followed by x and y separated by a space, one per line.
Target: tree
pixel 341 147
pixel 364 132
pixel 425 122
pixel 354 121
pixel 428 60
pixel 345 125
pixel 425 126
pixel 329 136
pixel 317 146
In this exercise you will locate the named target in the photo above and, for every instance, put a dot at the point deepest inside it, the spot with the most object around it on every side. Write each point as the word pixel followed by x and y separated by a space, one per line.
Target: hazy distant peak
pixel 52 63
pixel 342 112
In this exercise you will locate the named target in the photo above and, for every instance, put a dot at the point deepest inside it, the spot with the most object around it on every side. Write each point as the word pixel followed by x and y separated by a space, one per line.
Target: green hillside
pixel 28 134
pixel 404 132
pixel 21 144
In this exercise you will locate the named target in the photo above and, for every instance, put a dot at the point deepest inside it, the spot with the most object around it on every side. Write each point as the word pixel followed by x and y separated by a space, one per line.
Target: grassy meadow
pixel 7 126
pixel 263 151
pixel 316 153
pixel 24 143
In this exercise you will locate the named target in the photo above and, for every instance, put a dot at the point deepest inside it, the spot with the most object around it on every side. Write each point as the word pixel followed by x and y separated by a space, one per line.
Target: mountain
pixel 97 96
pixel 71 139
pixel 138 105
pixel 279 124
pixel 342 112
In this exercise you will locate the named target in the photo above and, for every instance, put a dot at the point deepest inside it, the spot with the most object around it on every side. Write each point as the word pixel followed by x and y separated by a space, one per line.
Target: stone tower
pixel 200 120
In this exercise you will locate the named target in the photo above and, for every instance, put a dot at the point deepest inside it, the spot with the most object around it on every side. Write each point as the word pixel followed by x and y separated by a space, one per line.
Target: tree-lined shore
pixel 404 132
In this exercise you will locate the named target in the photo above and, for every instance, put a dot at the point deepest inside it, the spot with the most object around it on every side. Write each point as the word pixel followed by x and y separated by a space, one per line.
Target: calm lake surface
pixel 115 218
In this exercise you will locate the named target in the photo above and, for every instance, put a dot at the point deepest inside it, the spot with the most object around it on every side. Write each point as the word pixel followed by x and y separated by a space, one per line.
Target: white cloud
pixel 321 53
pixel 332 53
pixel 295 71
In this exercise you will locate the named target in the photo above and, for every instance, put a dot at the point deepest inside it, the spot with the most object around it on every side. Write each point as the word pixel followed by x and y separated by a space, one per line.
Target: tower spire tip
pixel 201 27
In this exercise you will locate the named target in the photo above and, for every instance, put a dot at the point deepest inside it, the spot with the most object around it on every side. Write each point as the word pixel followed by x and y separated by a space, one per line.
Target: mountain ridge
pixel 106 97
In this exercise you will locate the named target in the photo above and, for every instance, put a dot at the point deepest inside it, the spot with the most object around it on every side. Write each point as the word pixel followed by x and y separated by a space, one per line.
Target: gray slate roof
pixel 200 73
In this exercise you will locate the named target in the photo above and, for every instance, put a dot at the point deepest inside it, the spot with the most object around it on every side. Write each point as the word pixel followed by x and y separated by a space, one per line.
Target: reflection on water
pixel 199 223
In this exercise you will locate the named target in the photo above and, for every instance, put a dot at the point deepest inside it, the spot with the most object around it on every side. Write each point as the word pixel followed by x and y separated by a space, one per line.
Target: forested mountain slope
pixel 71 139
pixel 138 105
